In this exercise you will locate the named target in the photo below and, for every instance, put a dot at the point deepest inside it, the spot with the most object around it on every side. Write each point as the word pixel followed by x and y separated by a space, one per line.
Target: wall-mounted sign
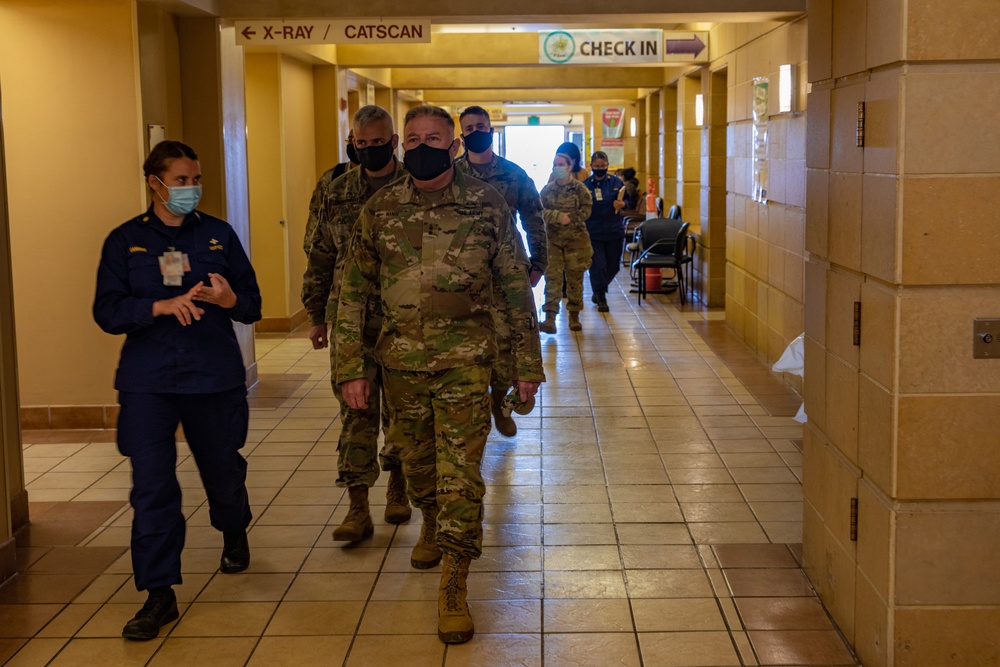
pixel 611 122
pixel 615 148
pixel 685 47
pixel 325 31
pixel 586 47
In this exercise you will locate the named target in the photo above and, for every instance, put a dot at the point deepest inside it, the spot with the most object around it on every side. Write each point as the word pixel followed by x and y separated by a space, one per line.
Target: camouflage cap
pixel 512 403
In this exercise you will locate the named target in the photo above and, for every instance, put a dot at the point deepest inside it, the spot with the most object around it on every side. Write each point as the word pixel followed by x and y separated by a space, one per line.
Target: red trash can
pixel 654 279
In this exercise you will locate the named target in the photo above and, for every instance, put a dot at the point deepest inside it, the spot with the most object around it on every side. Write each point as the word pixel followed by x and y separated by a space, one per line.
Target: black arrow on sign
pixel 692 46
pixel 247 32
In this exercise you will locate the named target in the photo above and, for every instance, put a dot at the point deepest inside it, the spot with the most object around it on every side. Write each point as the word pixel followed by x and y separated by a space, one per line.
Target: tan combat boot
pixel 454 619
pixel 397 506
pixel 574 321
pixel 505 423
pixel 426 553
pixel 549 324
pixel 357 524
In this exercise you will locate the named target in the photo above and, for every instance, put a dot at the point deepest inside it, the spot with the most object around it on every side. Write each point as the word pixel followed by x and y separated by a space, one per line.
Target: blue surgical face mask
pixel 183 199
pixel 560 172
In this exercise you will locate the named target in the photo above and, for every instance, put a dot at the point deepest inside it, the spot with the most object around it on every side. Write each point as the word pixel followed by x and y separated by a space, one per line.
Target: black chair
pixel 662 245
pixel 675 213
pixel 632 222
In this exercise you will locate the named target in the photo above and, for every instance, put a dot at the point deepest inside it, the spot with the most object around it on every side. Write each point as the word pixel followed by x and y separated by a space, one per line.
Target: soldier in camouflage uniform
pixel 323 185
pixel 567 203
pixel 519 192
pixel 357 462
pixel 438 245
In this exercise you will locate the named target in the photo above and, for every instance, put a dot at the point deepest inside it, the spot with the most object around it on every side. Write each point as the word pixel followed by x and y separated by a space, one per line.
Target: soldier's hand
pixel 535 276
pixel 182 307
pixel 318 336
pixel 565 219
pixel 526 390
pixel 618 204
pixel 356 392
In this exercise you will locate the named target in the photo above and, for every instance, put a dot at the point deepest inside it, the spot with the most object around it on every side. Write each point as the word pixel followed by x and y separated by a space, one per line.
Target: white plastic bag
pixel 792 361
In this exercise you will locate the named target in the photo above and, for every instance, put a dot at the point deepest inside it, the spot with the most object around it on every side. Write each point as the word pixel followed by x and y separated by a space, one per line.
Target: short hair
pixel 371 113
pixel 599 155
pixel 163 154
pixel 474 110
pixel 428 110
pixel 628 173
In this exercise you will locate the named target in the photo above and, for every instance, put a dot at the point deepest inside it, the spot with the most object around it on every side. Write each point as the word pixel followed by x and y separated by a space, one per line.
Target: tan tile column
pixel 905 422
pixel 14 513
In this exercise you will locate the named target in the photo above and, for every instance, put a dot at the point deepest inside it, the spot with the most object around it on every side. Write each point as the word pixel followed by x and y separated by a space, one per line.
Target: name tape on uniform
pixel 325 31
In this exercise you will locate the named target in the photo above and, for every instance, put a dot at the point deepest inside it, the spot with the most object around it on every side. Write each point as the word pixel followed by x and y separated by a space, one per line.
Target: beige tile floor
pixel 647 513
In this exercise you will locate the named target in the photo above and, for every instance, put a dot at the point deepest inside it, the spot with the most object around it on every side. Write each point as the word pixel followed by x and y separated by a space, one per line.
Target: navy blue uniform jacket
pixel 604 224
pixel 160 355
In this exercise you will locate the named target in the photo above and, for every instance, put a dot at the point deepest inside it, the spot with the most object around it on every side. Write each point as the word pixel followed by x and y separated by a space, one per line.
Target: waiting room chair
pixel 675 213
pixel 632 222
pixel 662 245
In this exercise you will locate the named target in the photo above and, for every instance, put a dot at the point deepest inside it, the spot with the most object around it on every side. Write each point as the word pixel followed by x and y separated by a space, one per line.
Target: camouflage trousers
pixel 445 416
pixel 358 456
pixel 503 366
pixel 574 259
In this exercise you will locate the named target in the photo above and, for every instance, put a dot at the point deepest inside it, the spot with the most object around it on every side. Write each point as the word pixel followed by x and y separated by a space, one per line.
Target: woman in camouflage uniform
pixel 566 203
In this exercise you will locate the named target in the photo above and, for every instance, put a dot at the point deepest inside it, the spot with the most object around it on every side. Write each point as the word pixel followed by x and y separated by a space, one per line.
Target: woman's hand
pixel 220 293
pixel 565 219
pixel 182 307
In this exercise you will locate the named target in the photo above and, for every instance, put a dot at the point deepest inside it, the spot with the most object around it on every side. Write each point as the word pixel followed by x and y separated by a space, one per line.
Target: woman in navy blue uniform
pixel 173 280
pixel 605 226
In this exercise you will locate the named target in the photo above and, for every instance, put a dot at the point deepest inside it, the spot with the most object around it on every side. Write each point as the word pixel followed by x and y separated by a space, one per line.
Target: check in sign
pixel 586 47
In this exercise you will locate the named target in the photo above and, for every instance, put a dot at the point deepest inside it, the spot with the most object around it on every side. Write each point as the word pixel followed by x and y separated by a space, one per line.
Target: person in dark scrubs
pixel 173 280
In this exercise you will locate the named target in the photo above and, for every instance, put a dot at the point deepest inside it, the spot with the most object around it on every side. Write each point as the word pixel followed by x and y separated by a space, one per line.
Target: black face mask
pixel 600 173
pixel 478 142
pixel 375 158
pixel 352 154
pixel 425 163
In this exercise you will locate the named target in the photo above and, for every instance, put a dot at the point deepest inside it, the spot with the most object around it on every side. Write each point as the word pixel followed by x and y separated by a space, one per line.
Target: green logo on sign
pixel 559 47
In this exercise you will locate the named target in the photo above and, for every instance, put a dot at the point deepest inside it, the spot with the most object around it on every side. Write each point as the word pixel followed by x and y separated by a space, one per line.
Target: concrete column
pixel 903 420
pixel 14 511
pixel 688 149
pixel 668 145
pixel 214 119
pixel 710 262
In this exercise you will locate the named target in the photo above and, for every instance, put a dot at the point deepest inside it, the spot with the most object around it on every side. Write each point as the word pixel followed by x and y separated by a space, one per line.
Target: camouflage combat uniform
pixel 358 443
pixel 518 190
pixel 437 259
pixel 569 245
pixel 316 204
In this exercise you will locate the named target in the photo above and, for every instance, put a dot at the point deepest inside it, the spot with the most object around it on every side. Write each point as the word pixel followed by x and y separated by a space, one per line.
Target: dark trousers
pixel 215 426
pixel 605 264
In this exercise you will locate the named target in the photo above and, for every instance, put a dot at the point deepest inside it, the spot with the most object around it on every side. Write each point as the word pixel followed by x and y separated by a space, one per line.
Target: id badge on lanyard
pixel 173 266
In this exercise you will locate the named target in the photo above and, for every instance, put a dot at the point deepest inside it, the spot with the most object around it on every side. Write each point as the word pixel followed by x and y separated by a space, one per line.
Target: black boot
pixel 235 552
pixel 160 609
pixel 602 303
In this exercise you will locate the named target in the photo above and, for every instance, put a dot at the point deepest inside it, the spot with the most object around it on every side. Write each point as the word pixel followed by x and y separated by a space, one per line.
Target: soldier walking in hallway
pixel 519 192
pixel 567 204
pixel 437 246
pixel 357 449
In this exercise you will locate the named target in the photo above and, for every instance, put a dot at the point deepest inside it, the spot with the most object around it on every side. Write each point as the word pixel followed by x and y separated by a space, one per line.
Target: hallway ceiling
pixel 482 57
